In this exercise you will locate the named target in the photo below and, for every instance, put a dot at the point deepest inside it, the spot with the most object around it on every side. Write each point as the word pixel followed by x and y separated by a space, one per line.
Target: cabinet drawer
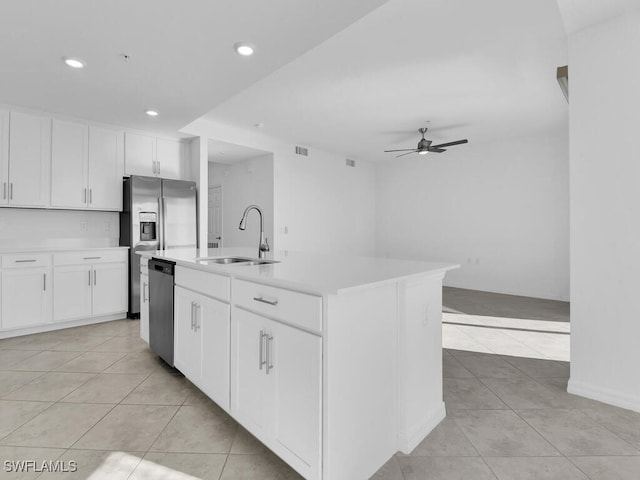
pixel 90 257
pixel 26 260
pixel 295 308
pixel 210 284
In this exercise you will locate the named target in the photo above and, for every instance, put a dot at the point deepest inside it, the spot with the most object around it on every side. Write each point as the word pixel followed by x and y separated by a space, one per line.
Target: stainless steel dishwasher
pixel 161 287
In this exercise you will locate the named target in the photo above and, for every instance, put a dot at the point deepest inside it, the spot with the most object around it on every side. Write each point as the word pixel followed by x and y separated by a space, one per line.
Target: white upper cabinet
pixel 169 159
pixel 4 156
pixel 140 154
pixel 86 170
pixel 29 160
pixel 69 154
pixel 105 169
pixel 155 157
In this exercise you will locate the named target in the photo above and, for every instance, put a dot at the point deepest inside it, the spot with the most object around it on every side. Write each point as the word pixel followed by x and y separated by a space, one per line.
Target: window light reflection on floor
pixel 121 465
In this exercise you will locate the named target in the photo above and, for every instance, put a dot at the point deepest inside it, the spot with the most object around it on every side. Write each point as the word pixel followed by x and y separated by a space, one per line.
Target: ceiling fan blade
pixel 404 150
pixel 437 150
pixel 408 153
pixel 450 144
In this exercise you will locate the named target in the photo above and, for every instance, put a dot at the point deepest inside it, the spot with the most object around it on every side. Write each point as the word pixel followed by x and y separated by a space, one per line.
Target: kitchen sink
pixel 235 260
pixel 224 260
pixel 258 262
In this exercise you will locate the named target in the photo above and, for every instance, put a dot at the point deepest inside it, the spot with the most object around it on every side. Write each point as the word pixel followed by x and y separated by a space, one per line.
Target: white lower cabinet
pixel 26 297
pixel 276 386
pixel 201 343
pixel 89 283
pixel 72 296
pixel 109 293
pixel 83 291
pixel 266 372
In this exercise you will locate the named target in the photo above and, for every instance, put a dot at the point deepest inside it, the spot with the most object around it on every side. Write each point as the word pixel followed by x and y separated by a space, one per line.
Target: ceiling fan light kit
pixel 425 146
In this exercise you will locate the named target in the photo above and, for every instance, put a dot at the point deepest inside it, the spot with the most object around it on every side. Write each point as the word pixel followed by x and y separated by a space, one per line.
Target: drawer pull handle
pixel 264 300
pixel 25 261
pixel 261 360
pixel 269 364
pixel 92 258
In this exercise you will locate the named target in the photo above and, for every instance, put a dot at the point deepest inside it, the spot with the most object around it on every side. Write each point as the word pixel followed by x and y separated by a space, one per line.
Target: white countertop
pixel 55 249
pixel 308 272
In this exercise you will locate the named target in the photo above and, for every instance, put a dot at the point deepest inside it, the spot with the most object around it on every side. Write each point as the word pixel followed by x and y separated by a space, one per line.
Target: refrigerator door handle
pixel 160 225
pixel 164 219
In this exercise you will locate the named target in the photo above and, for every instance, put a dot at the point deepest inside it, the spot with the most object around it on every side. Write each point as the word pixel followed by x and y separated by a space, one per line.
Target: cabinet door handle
pixel 264 300
pixel 84 195
pixel 91 258
pixel 25 261
pixel 11 191
pixel 158 168
pixel 44 282
pixel 144 292
pixel 95 277
pixel 261 362
pixel 4 191
pixel 192 315
pixel 91 195
pixel 269 365
pixel 89 277
pixel 153 166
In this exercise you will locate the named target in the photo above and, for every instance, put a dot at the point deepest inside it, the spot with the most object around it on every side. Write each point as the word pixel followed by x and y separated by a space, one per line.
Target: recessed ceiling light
pixel 243 48
pixel 151 113
pixel 73 62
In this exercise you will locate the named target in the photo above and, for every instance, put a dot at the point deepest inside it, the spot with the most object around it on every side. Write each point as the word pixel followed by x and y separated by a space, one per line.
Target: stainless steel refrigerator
pixel 158 214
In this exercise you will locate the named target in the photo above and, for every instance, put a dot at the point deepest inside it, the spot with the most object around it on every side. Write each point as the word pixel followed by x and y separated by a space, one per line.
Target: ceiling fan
pixel 424 146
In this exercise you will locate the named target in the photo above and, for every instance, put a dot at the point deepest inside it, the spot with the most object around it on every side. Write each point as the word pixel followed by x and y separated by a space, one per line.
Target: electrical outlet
pixel 84 226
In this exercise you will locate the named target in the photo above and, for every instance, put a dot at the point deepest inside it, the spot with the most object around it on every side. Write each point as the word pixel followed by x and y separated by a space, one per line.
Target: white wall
pixel 244 183
pixel 29 228
pixel 310 193
pixel 325 205
pixel 604 65
pixel 499 209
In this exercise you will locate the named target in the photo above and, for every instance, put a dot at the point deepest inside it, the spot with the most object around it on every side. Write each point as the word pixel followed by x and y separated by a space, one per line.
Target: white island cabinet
pixel 201 336
pixel 334 363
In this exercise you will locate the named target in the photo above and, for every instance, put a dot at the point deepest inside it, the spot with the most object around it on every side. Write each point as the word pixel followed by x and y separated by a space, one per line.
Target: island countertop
pixel 314 273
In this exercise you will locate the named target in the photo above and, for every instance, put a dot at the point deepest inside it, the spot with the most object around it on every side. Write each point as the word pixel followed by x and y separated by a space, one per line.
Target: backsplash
pixel 35 228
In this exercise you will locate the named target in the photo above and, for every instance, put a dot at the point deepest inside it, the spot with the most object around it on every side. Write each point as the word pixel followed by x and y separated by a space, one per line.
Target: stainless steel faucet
pixel 263 246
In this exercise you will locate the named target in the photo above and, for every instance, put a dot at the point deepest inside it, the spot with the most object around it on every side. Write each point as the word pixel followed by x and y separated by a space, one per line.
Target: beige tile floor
pixel 96 395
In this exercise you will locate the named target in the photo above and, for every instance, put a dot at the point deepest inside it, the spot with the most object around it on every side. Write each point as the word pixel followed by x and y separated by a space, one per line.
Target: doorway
pixel 215 217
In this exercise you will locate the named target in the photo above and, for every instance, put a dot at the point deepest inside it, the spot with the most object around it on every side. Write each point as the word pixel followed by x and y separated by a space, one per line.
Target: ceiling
pixel 477 70
pixel 228 153
pixel 181 58
pixel 579 14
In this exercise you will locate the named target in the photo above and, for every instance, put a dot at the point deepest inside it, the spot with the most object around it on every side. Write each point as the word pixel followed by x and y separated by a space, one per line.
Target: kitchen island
pixel 334 362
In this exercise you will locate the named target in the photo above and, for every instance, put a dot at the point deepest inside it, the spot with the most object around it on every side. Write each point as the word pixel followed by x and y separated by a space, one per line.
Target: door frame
pixel 210 196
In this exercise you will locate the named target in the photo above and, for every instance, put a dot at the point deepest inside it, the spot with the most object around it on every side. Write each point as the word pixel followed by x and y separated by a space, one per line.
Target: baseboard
pixel 603 395
pixel 49 327
pixel 408 440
